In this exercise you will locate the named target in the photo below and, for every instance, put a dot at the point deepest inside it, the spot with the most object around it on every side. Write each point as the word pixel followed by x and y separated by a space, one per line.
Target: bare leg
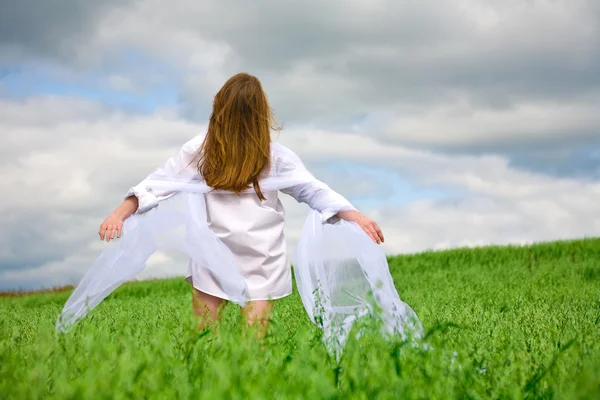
pixel 206 307
pixel 257 315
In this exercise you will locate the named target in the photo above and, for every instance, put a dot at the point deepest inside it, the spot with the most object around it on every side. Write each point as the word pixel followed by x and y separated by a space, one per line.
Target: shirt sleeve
pixel 319 196
pixel 175 168
pixel 315 193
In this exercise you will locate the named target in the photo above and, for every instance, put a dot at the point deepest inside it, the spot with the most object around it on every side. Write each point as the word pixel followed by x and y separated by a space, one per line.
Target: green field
pixel 503 322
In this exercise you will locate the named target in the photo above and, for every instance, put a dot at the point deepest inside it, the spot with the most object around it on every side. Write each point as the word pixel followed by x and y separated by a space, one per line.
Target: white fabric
pixel 343 275
pixel 329 259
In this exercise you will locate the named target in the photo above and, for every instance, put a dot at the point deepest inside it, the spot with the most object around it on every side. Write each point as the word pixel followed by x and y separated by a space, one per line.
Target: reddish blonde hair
pixel 236 150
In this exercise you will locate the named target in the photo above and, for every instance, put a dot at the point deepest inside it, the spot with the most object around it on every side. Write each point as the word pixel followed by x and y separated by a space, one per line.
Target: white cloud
pixel 70 170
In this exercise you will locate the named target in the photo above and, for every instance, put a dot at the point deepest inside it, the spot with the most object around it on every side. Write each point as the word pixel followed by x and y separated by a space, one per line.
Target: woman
pixel 236 154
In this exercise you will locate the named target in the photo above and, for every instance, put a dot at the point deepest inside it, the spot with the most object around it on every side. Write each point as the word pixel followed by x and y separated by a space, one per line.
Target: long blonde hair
pixel 236 150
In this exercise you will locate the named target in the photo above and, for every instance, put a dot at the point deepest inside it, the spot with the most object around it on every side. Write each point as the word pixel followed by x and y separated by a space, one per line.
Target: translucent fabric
pixel 178 224
pixel 341 276
pixel 341 273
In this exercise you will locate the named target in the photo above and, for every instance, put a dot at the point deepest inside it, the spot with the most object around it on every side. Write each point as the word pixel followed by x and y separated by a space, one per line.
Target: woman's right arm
pixel 139 199
pixel 113 224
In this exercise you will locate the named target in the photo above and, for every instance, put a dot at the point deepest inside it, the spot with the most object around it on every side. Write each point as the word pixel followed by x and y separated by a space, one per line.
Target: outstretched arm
pixel 318 196
pixel 113 224
pixel 139 199
pixel 367 224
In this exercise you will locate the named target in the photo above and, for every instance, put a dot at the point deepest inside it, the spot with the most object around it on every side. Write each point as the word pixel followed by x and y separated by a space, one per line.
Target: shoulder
pixel 192 145
pixel 283 154
pixel 284 161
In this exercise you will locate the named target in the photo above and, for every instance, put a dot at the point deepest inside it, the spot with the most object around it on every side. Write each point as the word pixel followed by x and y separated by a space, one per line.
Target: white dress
pixel 254 232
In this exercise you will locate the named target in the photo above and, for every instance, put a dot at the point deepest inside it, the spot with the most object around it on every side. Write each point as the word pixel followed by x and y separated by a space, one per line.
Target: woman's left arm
pixel 318 195
pixel 332 205
pixel 367 224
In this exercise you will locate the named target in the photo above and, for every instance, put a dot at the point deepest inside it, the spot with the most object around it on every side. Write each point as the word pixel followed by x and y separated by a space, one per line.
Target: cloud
pixel 495 202
pixel 422 52
pixel 485 220
pixel 53 28
pixel 420 66
pixel 450 123
pixel 72 168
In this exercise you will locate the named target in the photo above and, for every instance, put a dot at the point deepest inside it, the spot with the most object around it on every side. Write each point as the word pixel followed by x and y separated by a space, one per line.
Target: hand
pixel 371 228
pixel 368 225
pixel 113 225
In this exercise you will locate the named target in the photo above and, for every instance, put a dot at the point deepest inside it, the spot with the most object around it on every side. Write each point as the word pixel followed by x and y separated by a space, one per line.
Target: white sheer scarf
pixel 341 274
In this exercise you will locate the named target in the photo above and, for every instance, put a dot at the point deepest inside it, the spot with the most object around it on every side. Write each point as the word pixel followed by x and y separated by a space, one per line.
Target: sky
pixel 452 124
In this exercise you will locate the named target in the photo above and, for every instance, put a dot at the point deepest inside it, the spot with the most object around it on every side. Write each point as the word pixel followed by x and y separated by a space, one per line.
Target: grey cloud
pixel 54 28
pixel 398 52
pixel 327 62
pixel 397 61
pixel 330 64
pixel 578 160
pixel 40 236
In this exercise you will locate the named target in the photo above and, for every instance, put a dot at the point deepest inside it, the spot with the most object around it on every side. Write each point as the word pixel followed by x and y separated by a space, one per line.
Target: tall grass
pixel 501 322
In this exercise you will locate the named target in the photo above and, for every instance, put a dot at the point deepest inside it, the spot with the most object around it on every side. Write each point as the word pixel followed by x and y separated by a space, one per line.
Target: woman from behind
pixel 234 155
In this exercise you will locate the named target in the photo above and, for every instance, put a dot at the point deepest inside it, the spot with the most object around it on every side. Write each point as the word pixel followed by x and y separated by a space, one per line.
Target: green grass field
pixel 504 322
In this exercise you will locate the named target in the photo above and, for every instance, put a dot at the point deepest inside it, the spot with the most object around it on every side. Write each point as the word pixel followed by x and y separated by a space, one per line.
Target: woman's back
pixel 253 229
pixel 242 216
